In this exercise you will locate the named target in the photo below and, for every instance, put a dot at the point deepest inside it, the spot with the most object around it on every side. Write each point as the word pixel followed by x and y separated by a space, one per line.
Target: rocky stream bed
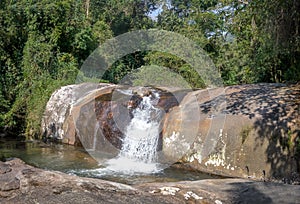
pixel 22 183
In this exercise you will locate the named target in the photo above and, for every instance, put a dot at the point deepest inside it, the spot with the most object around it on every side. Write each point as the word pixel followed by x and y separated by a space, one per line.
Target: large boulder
pixel 55 121
pixel 246 131
pixel 96 115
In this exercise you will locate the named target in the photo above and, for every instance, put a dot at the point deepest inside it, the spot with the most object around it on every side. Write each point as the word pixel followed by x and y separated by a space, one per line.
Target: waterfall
pixel 139 147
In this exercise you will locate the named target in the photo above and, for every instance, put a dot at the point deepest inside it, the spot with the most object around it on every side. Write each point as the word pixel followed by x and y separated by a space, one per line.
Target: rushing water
pixel 139 146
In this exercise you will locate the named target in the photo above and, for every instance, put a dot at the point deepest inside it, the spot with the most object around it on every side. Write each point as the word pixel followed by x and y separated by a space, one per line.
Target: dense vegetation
pixel 43 44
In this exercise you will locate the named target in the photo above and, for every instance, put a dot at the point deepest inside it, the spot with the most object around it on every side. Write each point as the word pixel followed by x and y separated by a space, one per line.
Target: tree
pixel 265 44
pixel 43 44
pixel 42 47
pixel 125 15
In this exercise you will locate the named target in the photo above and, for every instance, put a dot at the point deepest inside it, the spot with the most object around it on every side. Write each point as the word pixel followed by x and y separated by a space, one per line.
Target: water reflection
pixel 48 156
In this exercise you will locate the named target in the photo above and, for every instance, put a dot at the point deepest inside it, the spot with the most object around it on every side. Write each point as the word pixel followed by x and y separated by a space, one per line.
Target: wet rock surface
pixel 77 114
pixel 26 184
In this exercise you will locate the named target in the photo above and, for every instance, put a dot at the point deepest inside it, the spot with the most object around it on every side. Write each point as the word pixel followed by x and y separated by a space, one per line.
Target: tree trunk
pixel 87 6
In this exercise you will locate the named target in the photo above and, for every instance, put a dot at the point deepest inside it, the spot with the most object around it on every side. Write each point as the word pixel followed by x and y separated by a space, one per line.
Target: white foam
pixel 129 166
pixel 139 150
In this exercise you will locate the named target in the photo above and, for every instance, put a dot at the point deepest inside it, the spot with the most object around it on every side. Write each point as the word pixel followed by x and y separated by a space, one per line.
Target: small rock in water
pixel 142 91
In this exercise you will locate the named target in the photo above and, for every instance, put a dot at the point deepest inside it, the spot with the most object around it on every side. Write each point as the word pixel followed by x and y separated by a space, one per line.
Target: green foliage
pixel 124 66
pixel 43 44
pixel 176 65
pixel 3 108
pixel 266 47
pixel 101 31
pixel 124 15
pixel 158 76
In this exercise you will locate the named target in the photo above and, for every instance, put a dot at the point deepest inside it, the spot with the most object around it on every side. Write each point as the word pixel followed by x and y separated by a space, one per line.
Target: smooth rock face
pixel 249 137
pixel 96 116
pixel 244 131
pixel 25 184
pixel 55 121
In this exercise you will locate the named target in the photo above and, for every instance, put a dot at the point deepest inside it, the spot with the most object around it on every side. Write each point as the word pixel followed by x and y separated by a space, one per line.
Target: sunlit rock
pixel 55 119
pixel 252 133
pixel 247 130
pixel 27 184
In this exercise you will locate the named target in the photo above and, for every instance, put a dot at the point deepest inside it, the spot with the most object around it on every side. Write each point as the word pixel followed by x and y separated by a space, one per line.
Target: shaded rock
pixel 90 116
pixel 226 191
pixel 113 116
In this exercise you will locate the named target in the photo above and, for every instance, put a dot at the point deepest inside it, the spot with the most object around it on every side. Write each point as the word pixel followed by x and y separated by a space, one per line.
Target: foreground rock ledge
pixel 21 183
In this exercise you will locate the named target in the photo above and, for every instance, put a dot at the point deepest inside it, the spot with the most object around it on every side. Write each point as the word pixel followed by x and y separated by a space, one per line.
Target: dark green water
pixel 77 161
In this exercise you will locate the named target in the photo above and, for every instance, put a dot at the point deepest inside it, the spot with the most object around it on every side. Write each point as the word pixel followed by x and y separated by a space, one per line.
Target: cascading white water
pixel 139 149
pixel 141 138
